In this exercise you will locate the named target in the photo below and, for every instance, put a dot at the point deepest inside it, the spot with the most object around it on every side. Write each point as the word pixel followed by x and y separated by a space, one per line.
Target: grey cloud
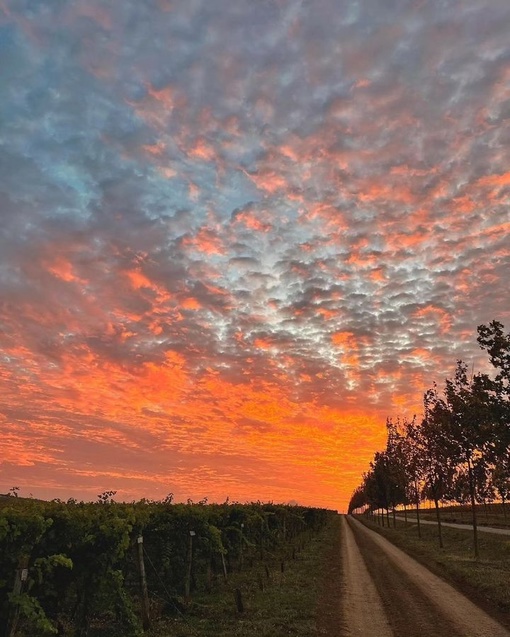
pixel 336 167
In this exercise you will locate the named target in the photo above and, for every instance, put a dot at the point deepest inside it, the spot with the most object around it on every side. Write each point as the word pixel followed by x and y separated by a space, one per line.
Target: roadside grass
pixel 488 515
pixel 286 603
pixel 487 580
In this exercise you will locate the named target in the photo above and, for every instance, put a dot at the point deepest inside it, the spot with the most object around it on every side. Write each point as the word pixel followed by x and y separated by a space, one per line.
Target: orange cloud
pixel 378 275
pixel 164 96
pixel 157 106
pixel 347 342
pixel 495 181
pixel 191 303
pixel 261 343
pixel 206 241
pixel 327 314
pixel 342 339
pixel 421 353
pixel 202 150
pixel 156 150
pixel 267 180
pixel 379 191
pixel 64 270
pixel 252 222
pixel 436 314
pixel 138 279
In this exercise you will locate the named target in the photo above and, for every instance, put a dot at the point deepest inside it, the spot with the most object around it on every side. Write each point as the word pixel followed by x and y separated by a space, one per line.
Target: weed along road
pixel 388 594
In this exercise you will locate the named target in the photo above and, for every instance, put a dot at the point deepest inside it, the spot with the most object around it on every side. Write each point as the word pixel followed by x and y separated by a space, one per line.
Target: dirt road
pixel 388 594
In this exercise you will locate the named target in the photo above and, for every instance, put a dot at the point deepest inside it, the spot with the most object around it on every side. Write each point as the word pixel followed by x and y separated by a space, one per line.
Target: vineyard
pixel 80 569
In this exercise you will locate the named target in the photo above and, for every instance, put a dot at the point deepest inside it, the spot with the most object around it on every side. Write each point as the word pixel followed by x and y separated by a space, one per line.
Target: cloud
pixel 235 237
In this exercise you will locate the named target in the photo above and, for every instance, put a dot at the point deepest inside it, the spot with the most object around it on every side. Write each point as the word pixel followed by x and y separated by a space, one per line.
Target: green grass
pixel 288 604
pixel 486 579
pixel 491 515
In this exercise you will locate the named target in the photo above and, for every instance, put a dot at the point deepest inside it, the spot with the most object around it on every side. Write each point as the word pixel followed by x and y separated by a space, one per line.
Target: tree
pixel 469 420
pixel 414 466
pixel 435 452
pixel 501 481
pixel 461 448
pixel 358 500
pixel 399 471
pixel 497 344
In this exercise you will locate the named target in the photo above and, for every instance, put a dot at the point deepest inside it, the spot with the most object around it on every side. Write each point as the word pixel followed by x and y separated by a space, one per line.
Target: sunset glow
pixel 236 236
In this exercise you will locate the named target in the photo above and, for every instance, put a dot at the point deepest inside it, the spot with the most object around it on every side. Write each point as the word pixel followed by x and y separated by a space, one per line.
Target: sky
pixel 236 236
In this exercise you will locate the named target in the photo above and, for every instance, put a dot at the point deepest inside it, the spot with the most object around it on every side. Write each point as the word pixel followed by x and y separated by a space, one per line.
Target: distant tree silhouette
pixel 460 451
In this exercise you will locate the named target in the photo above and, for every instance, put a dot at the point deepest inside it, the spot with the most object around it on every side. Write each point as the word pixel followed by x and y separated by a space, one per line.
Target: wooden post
pixel 239 600
pixel 209 575
pixel 146 620
pixel 19 580
pixel 241 548
pixel 189 566
pixel 224 567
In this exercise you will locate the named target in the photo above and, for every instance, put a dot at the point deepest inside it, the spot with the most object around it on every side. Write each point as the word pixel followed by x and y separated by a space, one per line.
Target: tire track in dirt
pixel 362 606
pixel 416 602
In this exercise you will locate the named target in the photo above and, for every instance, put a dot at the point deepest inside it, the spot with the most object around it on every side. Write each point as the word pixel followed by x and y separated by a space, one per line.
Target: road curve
pixel 388 594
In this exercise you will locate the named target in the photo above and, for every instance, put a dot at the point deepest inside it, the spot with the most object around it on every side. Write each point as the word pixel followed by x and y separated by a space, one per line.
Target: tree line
pixel 458 452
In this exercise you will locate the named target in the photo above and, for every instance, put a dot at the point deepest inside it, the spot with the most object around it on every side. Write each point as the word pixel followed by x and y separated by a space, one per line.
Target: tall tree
pixel 414 466
pixel 435 452
pixel 492 339
pixel 469 427
pixel 400 464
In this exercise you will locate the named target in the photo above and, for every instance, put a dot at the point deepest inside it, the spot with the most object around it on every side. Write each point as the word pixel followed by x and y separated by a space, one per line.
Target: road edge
pixel 470 591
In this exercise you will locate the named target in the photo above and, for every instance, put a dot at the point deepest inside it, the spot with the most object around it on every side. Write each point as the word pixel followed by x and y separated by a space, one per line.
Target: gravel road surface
pixel 388 594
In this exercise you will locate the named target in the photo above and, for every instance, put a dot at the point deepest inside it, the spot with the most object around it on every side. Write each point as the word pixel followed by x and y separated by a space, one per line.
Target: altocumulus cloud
pixel 234 237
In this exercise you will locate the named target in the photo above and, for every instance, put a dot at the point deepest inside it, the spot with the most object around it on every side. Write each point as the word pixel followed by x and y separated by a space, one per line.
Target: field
pixel 257 570
pixel 81 570
pixel 300 601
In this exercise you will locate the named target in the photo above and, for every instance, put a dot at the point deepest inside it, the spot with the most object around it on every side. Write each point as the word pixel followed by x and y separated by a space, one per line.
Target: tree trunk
pixel 405 513
pixel 473 507
pixel 417 507
pixel 394 518
pixel 146 620
pixel 189 568
pixel 439 528
pixel 84 619
pixel 504 507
